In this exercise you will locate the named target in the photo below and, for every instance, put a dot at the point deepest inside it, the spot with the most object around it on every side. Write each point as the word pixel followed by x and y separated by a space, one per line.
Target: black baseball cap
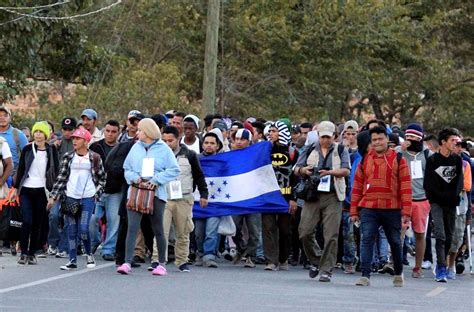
pixel 69 123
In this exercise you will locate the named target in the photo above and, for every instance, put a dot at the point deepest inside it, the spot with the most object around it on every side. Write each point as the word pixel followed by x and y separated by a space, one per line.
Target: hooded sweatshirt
pixel 166 167
pixel 443 179
pixel 283 160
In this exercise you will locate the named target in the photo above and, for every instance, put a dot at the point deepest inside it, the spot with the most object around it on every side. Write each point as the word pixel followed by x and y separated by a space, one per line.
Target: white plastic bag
pixel 227 226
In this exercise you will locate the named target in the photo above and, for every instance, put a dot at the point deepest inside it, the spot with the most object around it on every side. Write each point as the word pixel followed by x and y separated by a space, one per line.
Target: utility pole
pixel 210 58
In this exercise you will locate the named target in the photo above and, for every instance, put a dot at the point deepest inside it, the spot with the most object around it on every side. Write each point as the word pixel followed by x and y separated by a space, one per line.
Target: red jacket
pixel 381 182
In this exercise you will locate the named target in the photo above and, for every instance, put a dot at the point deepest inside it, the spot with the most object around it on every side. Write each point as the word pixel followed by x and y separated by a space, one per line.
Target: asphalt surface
pixel 44 287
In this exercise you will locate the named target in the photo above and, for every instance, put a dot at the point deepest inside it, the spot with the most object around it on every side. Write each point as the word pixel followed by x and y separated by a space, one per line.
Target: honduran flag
pixel 241 182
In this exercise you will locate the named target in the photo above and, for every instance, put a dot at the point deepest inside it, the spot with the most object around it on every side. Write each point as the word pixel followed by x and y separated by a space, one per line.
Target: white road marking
pixel 435 292
pixel 54 278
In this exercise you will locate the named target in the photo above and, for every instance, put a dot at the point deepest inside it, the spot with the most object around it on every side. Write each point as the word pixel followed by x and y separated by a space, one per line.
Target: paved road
pixel 229 288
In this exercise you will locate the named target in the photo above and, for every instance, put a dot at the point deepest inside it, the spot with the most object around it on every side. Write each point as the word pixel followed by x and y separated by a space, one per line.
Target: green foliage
pixel 406 60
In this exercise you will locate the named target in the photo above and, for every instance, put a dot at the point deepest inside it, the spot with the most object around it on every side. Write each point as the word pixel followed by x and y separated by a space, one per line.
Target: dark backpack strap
pixel 399 157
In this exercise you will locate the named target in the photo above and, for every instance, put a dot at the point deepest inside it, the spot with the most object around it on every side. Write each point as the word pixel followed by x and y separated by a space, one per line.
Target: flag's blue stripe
pixel 272 202
pixel 237 161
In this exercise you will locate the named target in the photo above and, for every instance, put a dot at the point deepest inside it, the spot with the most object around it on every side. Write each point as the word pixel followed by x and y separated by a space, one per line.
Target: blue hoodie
pixel 355 163
pixel 166 166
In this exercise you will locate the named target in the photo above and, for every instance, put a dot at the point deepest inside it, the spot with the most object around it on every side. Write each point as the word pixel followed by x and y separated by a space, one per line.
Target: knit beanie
pixel 284 136
pixel 43 127
pixel 150 128
pixel 414 129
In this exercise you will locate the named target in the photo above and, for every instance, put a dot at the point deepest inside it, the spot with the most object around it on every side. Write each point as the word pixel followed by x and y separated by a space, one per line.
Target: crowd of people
pixel 360 197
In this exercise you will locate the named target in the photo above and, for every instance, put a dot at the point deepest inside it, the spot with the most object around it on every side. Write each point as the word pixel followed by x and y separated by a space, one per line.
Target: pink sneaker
pixel 124 269
pixel 160 270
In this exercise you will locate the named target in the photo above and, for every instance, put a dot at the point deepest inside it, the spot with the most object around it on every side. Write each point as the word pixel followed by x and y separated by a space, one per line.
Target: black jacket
pixel 26 159
pixel 113 166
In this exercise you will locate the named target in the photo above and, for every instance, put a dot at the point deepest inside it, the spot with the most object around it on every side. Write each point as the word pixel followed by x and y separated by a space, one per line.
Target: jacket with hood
pixel 166 167
pixel 283 160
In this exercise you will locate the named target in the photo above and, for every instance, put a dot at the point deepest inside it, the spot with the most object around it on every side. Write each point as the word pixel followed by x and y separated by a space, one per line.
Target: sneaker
pixel 451 274
pixel 42 254
pixel 153 266
pixel 32 260
pixel 23 260
pixel 184 268
pixel 108 257
pixel 135 264
pixel 260 260
pixel 124 269
pixel 325 277
pixel 313 271
pixel 138 259
pixel 271 267
pixel 426 265
pixel 71 265
pixel 348 269
pixel 440 274
pixel 417 273
pixel 199 261
pixel 387 268
pixel 363 281
pixel 61 254
pixel 406 262
pixel 52 251
pixel 284 266
pixel 13 250
pixel 398 281
pixel 237 258
pixel 90 262
pixel 460 267
pixel 211 264
pixel 159 270
pixel 249 263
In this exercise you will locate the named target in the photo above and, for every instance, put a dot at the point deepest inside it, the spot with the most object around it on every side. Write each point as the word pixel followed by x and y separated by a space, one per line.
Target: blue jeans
pixel 57 238
pixel 207 238
pixel 348 235
pixel 109 205
pixel 80 225
pixel 380 248
pixel 390 220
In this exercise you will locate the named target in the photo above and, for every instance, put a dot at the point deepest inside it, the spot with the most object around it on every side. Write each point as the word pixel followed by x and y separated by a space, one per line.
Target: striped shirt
pixel 382 182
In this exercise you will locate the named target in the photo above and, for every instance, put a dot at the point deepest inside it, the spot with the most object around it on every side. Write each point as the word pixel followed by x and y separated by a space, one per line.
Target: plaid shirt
pixel 97 171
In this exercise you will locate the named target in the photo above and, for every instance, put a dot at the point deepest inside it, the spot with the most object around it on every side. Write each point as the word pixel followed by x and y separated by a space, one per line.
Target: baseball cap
pixel 243 134
pixel 134 114
pixel 351 124
pixel 6 110
pixel 326 128
pixel 89 113
pixel 82 133
pixel 68 123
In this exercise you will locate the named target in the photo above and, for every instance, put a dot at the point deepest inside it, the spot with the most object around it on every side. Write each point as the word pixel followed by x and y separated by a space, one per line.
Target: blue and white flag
pixel 241 182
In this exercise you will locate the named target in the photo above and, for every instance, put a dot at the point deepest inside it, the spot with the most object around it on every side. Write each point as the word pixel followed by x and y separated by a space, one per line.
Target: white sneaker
pixel 90 261
pixel 61 254
pixel 426 265
pixel 52 251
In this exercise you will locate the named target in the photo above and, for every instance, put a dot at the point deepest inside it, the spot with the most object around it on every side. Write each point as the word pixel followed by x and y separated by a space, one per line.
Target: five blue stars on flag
pixel 218 191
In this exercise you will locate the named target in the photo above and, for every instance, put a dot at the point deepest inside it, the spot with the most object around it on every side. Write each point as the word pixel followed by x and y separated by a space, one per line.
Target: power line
pixel 62 17
pixel 125 25
pixel 36 6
